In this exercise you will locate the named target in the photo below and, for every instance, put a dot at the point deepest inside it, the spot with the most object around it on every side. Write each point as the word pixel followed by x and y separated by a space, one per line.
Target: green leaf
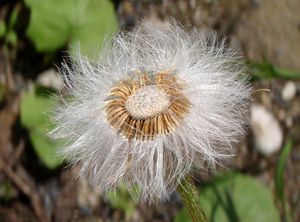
pixel 45 148
pixel 11 37
pixel 286 73
pixel 280 167
pixel 13 18
pixel 279 176
pixel 266 70
pixel 2 28
pixel 36 106
pixel 54 23
pixel 235 197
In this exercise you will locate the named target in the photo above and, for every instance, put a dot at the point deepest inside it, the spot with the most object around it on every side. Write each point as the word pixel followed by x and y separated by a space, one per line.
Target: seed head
pixel 142 109
pixel 158 102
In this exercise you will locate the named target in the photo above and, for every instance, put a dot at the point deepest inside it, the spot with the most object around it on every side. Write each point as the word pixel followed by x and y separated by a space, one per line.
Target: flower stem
pixel 191 200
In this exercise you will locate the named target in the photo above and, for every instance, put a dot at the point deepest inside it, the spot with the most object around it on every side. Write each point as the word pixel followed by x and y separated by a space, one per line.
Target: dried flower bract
pixel 142 109
pixel 159 101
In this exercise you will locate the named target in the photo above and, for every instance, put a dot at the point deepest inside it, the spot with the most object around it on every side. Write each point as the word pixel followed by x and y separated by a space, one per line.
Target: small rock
pixel 266 129
pixel 289 122
pixel 289 91
pixel 50 78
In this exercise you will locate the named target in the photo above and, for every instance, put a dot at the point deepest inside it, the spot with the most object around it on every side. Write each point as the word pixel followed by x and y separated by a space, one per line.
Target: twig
pixel 35 200
pixel 17 154
pixel 8 70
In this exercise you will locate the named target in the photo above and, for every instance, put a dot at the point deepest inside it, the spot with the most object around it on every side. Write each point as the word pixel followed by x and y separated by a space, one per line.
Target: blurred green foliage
pixel 279 177
pixel 6 191
pixel 55 23
pixel 122 199
pixel 7 31
pixel 266 70
pixel 2 28
pixel 233 197
pixel 36 107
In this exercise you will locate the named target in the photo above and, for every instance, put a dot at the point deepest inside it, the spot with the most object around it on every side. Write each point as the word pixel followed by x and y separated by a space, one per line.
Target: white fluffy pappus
pixel 186 97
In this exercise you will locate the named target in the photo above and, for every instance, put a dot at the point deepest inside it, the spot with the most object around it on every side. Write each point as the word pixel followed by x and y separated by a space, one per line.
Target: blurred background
pixel 262 181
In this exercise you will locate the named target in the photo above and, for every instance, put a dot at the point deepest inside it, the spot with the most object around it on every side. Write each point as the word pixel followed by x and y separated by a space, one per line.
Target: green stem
pixel 190 198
